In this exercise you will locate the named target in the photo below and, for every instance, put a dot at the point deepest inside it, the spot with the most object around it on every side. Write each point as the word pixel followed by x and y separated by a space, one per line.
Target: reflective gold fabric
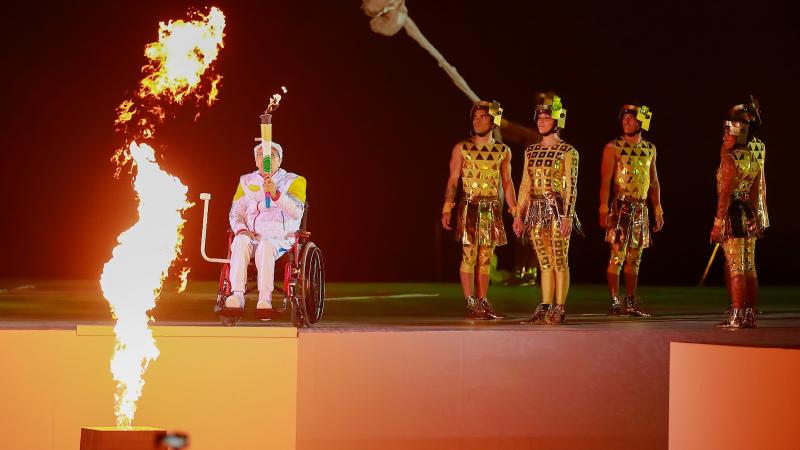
pixel 480 222
pixel 747 214
pixel 473 255
pixel 628 223
pixel 748 161
pixel 740 254
pixel 480 167
pixel 621 255
pixel 553 176
pixel 632 168
pixel 554 169
pixel 552 248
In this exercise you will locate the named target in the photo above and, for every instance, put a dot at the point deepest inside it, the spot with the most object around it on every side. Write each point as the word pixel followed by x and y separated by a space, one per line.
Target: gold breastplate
pixel 748 161
pixel 546 167
pixel 480 168
pixel 632 168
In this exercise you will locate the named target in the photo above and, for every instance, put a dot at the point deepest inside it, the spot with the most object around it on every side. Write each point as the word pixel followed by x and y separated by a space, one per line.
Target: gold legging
pixel 621 255
pixel 740 254
pixel 476 255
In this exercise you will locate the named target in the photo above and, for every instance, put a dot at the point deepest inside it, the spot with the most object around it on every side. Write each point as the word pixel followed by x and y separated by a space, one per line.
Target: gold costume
pixel 480 220
pixel 548 193
pixel 747 216
pixel 628 229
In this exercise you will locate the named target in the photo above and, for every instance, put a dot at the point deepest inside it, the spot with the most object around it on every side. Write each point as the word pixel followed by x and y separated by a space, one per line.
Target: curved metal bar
pixel 206 197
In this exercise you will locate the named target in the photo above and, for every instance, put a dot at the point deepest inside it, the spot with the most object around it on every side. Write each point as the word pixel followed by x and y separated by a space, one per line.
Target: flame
pixel 132 279
pixel 184 277
pixel 179 68
pixel 275 100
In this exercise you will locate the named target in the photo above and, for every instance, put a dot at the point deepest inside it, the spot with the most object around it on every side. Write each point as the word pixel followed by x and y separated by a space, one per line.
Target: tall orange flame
pixel 179 68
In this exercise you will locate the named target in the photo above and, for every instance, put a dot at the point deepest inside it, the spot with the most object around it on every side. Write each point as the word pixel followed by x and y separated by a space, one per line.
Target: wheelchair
pixel 303 289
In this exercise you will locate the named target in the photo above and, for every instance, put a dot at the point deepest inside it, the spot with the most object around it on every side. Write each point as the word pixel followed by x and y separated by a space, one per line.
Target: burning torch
pixel 266 136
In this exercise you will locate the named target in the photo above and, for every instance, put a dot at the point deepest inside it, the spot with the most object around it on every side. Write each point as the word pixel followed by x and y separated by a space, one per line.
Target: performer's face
pixel 545 123
pixel 259 158
pixel 727 135
pixel 630 125
pixel 481 122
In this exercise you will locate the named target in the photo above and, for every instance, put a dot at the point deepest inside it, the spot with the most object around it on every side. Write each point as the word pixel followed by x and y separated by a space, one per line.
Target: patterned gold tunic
pixel 547 195
pixel 628 222
pixel 747 214
pixel 480 217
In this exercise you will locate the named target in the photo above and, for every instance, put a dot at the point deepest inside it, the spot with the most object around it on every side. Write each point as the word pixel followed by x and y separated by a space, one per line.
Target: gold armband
pixel 718 222
pixel 603 209
pixel 658 211
pixel 448 207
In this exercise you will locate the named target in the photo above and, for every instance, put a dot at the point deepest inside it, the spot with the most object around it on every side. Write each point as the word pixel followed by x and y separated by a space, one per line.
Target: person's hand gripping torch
pixel 266 137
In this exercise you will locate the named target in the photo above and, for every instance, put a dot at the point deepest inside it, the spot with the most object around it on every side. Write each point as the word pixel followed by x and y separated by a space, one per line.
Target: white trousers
pixel 266 252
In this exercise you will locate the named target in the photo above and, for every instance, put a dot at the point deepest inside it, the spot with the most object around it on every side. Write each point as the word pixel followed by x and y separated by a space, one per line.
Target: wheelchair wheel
pixel 312 282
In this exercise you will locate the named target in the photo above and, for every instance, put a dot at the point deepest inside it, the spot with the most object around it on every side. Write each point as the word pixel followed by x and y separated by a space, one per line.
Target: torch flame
pixel 132 280
pixel 275 100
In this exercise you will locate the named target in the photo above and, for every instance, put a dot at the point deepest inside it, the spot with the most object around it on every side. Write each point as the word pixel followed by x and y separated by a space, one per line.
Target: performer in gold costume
pixel 546 207
pixel 482 164
pixel 629 165
pixel 741 210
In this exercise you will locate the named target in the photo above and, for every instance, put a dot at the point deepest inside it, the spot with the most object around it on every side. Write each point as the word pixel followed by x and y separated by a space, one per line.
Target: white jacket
pixel 282 219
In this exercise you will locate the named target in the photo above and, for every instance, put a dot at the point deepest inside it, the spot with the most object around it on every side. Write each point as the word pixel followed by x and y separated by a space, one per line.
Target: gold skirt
pixel 628 223
pixel 480 222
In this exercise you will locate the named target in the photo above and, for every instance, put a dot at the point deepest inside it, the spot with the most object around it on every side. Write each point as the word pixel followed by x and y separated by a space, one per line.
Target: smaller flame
pixel 184 277
pixel 275 100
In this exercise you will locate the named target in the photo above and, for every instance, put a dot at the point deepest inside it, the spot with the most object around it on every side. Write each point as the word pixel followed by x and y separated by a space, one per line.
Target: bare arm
pixel 725 186
pixel 508 184
pixel 655 194
pixel 524 191
pixel 606 172
pixel 452 186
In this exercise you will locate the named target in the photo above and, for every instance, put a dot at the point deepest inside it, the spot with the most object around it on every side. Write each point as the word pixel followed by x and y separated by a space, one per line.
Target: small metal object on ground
pixel 113 438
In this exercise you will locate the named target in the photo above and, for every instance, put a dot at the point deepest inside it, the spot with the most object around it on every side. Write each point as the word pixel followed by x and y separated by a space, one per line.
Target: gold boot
pixel 735 319
pixel 749 320
pixel 474 310
pixel 488 309
pixel 632 307
pixel 555 315
pixel 538 315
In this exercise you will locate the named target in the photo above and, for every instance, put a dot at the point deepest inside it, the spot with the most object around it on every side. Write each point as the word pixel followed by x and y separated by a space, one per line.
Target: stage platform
pixel 390 367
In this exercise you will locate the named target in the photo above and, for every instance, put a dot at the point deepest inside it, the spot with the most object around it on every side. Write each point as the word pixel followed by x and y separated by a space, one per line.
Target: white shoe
pixel 236 300
pixel 264 301
pixel 264 304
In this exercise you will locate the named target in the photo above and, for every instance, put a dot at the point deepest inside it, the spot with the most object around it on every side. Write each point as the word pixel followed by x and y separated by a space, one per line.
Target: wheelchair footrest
pixel 231 312
pixel 269 313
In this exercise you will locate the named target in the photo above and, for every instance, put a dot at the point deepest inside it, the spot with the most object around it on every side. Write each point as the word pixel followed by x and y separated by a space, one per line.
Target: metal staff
pixel 710 261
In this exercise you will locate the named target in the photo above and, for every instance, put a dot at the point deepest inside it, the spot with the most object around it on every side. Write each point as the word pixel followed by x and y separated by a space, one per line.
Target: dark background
pixel 370 122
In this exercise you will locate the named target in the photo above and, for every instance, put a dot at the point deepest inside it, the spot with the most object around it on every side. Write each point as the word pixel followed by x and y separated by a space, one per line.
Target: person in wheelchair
pixel 263 232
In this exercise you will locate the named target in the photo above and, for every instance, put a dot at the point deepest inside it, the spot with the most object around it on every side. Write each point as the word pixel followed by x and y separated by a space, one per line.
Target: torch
pixel 266 144
pixel 266 136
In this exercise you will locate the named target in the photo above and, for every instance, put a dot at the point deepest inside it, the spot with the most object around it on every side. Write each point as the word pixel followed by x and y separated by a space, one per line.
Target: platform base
pixel 112 438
